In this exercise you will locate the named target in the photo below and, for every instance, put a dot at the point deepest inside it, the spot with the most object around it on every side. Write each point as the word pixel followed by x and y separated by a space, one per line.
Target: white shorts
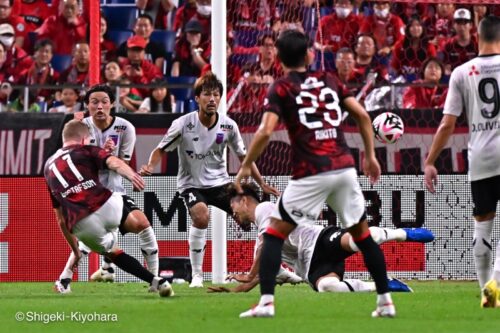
pixel 303 199
pixel 99 230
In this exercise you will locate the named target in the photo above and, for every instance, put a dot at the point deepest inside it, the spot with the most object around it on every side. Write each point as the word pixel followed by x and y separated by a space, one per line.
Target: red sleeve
pixel 399 31
pixel 366 25
pixel 431 50
pixel 55 203
pixel 100 156
pixel 45 30
pixel 396 57
pixel 409 98
pixel 178 18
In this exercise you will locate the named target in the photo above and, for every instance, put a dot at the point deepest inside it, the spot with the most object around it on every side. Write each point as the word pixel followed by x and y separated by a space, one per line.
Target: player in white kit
pixel 200 138
pixel 316 253
pixel 117 136
pixel 474 88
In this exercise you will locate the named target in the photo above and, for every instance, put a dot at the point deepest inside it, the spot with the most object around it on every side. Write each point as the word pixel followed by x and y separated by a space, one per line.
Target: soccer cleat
pixel 196 281
pixel 384 311
pixel 103 275
pixel 285 276
pixel 490 295
pixel 62 286
pixel 396 285
pixel 420 235
pixel 263 311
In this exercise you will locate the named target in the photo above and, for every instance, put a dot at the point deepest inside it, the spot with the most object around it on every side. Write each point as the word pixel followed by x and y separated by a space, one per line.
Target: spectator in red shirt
pixel 463 46
pixel 41 72
pixel 345 70
pixel 64 29
pixel 252 15
pixel 366 62
pixel 78 72
pixel 250 97
pixel 108 47
pixel 136 68
pixel 268 66
pixel 199 10
pixel 158 10
pixel 18 61
pixel 386 28
pixel 191 51
pixel 410 53
pixel 5 87
pixel 154 51
pixel 439 25
pixel 34 12
pixel 431 95
pixel 15 21
pixel 339 29
pixel 407 10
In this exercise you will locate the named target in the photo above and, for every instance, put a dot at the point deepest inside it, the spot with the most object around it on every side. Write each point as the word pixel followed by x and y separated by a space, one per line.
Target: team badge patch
pixel 220 138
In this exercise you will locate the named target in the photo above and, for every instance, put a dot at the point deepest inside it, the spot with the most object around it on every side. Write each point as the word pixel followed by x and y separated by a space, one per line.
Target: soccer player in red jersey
pixel 310 104
pixel 85 209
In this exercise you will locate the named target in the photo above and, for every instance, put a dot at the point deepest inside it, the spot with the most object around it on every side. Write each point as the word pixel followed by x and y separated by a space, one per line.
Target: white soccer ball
pixel 388 127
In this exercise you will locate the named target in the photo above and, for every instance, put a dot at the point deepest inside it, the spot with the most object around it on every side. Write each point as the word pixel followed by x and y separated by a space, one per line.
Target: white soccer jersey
pixel 201 149
pixel 122 132
pixel 298 248
pixel 474 86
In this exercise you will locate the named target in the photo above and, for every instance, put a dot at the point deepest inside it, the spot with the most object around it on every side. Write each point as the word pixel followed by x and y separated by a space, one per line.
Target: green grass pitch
pixel 439 307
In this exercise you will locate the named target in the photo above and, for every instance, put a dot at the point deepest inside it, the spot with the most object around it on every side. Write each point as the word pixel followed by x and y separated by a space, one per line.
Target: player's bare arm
pixel 72 240
pixel 116 164
pixel 371 167
pixel 154 159
pixel 257 146
pixel 446 128
pixel 268 189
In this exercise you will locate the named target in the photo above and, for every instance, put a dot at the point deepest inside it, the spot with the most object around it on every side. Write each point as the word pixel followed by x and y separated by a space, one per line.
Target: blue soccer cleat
pixel 420 235
pixel 398 286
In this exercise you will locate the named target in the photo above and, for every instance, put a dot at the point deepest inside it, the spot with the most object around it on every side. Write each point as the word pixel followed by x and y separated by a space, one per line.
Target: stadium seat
pixel 184 93
pixel 60 62
pixel 166 38
pixel 186 106
pixel 119 36
pixel 324 11
pixel 120 18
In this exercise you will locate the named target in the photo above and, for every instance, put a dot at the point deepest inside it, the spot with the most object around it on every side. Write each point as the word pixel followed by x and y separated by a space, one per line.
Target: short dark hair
pixel 146 16
pixel 489 29
pixel 42 43
pixel 427 62
pixel 344 50
pixel 292 48
pixel 265 36
pixel 99 87
pixel 249 189
pixel 208 81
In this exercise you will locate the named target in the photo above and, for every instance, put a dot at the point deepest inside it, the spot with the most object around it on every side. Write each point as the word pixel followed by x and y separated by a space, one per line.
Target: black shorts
pixel 328 256
pixel 128 206
pixel 214 196
pixel 485 195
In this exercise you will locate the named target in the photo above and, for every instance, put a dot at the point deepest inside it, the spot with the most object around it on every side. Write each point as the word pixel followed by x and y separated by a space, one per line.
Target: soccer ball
pixel 388 127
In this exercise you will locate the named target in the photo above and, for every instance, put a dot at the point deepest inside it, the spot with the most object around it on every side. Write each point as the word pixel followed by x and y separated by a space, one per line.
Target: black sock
pixel 270 261
pixel 131 265
pixel 375 262
pixel 108 261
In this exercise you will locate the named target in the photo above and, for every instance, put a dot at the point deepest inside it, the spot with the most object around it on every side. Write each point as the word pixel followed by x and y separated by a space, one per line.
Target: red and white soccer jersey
pixel 310 105
pixel 72 177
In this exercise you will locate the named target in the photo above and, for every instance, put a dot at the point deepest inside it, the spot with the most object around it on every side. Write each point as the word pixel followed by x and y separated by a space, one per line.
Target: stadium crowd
pixel 370 46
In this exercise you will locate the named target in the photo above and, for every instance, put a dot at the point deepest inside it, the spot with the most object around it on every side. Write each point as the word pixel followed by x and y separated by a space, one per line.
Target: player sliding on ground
pixel 88 211
pixel 316 253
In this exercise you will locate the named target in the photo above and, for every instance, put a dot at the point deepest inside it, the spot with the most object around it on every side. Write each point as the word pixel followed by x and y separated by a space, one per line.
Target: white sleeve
pixel 236 141
pixel 128 143
pixel 172 138
pixel 146 104
pixel 454 104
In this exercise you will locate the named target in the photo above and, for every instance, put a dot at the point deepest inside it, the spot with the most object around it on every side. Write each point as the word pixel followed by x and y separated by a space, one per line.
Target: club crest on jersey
pixel 219 138
pixel 119 128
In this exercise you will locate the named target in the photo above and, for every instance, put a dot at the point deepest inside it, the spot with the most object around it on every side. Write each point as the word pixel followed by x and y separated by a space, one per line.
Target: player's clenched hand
pixel 371 169
pixel 430 177
pixel 146 170
pixel 109 145
pixel 218 289
pixel 268 189
pixel 242 176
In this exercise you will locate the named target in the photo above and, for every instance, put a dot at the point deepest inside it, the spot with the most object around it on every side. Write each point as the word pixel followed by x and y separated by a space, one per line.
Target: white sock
pixel 496 266
pixel 381 235
pixel 149 249
pixel 383 299
pixel 265 299
pixel 197 242
pixel 333 284
pixel 67 273
pixel 482 250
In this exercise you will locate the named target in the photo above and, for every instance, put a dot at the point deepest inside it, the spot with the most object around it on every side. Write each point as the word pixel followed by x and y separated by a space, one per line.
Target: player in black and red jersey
pixel 310 104
pixel 85 209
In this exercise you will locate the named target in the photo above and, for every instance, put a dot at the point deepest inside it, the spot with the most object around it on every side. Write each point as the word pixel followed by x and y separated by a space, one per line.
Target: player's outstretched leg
pixel 105 273
pixel 62 285
pixel 131 265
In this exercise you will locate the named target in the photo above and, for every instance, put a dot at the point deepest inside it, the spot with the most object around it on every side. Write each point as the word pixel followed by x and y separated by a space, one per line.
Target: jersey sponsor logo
pixel 190 126
pixel 226 127
pixel 120 128
pixel 473 71
pixel 195 156
pixel 219 138
pixel 300 214
pixel 335 235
